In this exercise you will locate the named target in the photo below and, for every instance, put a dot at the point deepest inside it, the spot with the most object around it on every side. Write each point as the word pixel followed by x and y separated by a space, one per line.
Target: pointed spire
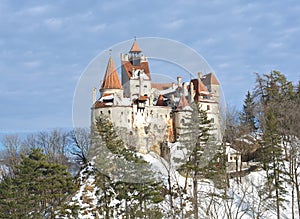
pixel 135 47
pixel 111 78
pixel 183 103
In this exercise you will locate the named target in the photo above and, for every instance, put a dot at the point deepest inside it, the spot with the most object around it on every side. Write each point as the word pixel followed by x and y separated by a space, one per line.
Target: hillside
pixel 245 199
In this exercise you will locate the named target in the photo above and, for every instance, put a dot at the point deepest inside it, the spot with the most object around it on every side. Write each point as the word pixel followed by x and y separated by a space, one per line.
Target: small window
pixel 145 86
pixel 208 107
pixel 137 85
pixel 108 111
pixel 128 120
pixel 101 112
pixel 182 121
pixel 122 113
pixel 212 120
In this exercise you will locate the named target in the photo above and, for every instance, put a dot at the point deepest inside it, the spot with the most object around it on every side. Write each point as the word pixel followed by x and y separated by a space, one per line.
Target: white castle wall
pixel 142 130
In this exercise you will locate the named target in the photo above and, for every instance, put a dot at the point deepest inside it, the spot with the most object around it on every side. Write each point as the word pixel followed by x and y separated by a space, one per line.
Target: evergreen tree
pixel 247 116
pixel 35 189
pixel 272 89
pixel 197 142
pixel 123 174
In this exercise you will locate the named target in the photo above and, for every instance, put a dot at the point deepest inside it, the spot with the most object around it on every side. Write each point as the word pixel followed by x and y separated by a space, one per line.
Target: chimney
pixel 185 89
pixel 179 81
pixel 173 85
pixel 200 75
pixel 192 92
pixel 94 94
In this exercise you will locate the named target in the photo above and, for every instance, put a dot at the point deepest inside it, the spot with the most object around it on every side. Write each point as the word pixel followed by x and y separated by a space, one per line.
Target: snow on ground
pixel 244 198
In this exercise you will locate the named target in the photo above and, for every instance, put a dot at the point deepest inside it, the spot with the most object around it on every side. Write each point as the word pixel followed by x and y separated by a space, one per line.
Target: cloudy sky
pixel 46 45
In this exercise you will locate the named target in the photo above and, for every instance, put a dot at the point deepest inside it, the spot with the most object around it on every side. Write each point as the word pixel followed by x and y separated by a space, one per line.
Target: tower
pixel 136 79
pixel 111 84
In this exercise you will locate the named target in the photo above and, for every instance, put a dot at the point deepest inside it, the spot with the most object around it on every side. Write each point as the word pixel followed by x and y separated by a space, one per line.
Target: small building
pixel 234 159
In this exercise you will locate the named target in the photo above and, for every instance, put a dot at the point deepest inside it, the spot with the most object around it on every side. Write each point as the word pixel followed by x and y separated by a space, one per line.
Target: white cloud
pixel 32 64
pixel 35 11
pixel 275 45
pixel 174 25
pixel 54 23
pixel 97 28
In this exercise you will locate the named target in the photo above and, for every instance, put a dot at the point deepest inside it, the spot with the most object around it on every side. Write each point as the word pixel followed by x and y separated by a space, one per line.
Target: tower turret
pixel 111 83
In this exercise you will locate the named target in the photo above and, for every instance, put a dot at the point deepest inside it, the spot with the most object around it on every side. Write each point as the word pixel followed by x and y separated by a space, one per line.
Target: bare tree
pixel 12 149
pixel 80 140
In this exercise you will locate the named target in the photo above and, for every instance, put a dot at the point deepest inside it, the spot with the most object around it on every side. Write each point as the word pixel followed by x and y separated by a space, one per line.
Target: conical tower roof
pixel 183 103
pixel 135 48
pixel 111 78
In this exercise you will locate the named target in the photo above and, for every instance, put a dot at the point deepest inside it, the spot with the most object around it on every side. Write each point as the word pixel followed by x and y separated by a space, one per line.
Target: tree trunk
pixel 171 196
pixel 277 192
pixel 195 193
pixel 297 188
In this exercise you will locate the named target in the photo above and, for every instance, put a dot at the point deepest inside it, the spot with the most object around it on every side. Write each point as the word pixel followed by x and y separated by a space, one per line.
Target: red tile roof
pixel 210 79
pixel 99 104
pixel 143 98
pixel 160 86
pixel 182 103
pixel 128 67
pixel 135 48
pixel 160 101
pixel 199 87
pixel 111 78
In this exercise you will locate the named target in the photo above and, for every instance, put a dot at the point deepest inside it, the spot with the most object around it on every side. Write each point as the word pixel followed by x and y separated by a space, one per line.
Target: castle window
pixel 137 85
pixel 128 120
pixel 122 113
pixel 145 86
pixel 208 107
pixel 108 111
pixel 101 112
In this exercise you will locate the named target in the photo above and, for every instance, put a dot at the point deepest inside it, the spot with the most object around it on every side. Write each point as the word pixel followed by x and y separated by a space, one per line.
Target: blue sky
pixel 46 45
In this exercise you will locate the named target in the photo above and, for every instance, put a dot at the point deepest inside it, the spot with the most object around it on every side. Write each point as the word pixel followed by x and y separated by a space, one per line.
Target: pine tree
pixel 123 172
pixel 247 116
pixel 272 89
pixel 198 144
pixel 35 188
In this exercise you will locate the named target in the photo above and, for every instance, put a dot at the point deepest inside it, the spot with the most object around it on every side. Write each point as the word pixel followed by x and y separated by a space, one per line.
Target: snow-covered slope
pixel 244 198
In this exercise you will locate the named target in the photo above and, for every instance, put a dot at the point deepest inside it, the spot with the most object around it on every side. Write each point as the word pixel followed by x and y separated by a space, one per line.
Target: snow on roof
pixel 107 97
pixel 230 150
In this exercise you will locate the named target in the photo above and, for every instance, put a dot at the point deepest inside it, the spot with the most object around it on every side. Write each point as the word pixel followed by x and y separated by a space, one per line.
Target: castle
pixel 147 114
